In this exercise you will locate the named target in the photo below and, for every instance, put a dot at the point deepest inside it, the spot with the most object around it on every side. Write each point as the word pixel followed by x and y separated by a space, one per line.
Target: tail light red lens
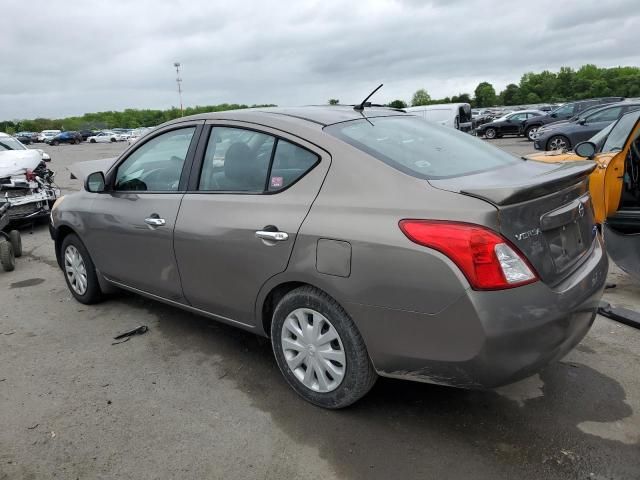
pixel 486 258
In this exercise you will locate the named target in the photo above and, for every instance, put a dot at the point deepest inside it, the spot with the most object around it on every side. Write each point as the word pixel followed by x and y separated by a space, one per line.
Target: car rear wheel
pixel 530 131
pixel 319 349
pixel 558 142
pixel 79 271
pixel 16 242
pixel 490 133
pixel 7 257
pixel 93 140
pixel 113 139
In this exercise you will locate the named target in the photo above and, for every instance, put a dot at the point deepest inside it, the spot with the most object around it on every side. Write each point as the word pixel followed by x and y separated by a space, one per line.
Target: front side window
pixel 607 115
pixel 157 165
pixel 419 148
pixel 565 110
pixel 518 116
pixel 620 132
pixel 236 160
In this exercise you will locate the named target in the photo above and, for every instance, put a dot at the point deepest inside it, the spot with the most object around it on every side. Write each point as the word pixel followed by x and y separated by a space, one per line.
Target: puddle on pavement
pixel 27 283
pixel 408 430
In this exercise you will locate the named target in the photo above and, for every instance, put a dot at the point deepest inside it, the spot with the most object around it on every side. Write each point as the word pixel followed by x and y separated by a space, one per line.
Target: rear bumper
pixel 486 339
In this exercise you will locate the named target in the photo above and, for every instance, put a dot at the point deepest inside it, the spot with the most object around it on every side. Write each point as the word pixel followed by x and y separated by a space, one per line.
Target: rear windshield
pixel 420 148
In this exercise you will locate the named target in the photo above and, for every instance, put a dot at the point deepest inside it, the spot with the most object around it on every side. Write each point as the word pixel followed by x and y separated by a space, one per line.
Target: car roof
pixel 624 103
pixel 318 114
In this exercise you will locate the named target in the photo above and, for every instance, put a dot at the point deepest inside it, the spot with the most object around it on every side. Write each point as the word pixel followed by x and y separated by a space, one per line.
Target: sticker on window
pixel 277 182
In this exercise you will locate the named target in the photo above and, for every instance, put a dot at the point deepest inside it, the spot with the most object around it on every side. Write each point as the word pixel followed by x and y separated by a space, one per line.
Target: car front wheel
pixel 79 271
pixel 530 131
pixel 558 142
pixel 490 133
pixel 319 349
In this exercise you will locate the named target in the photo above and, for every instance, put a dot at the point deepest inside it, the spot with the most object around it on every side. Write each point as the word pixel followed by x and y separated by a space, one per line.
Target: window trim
pixel 186 167
pixel 196 170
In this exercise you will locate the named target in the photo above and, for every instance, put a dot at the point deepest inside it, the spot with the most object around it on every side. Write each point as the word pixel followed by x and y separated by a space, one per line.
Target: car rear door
pixel 130 228
pixel 249 192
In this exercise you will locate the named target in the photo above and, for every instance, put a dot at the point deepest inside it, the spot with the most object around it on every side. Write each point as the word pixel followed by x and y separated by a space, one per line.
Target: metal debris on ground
pixel 124 337
pixel 620 314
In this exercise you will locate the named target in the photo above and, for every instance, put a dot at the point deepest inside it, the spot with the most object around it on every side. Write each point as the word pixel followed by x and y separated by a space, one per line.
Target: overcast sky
pixel 72 57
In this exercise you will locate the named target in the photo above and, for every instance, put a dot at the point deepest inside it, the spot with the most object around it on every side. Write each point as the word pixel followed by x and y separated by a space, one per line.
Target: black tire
pixel 16 242
pixel 93 294
pixel 55 143
pixel 490 133
pixel 531 129
pixel 359 374
pixel 558 142
pixel 113 139
pixel 7 258
pixel 93 140
pixel 76 141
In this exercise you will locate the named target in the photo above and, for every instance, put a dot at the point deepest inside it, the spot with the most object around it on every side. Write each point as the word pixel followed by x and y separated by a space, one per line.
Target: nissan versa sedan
pixel 362 241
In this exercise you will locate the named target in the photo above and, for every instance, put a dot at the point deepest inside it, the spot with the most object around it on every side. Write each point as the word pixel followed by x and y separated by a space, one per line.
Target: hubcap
pixel 532 132
pixel 75 270
pixel 557 143
pixel 490 133
pixel 313 350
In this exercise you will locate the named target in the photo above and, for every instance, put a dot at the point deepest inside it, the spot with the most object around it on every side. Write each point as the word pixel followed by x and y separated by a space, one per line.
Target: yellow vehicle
pixel 614 186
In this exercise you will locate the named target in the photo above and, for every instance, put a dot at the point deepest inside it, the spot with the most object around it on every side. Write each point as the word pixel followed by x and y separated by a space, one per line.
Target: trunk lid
pixel 543 209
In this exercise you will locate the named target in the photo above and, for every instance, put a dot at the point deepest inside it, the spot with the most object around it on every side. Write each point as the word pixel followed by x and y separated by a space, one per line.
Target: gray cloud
pixel 91 56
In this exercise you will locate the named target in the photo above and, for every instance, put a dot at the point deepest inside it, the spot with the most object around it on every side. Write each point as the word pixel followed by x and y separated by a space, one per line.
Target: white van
pixel 45 135
pixel 454 115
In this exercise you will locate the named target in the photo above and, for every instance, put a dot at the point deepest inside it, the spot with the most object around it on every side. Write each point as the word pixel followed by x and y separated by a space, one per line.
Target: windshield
pixel 419 148
pixel 620 132
pixel 599 137
pixel 10 143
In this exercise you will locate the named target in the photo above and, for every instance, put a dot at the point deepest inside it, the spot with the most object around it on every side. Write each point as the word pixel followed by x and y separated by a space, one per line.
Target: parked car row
pixel 57 137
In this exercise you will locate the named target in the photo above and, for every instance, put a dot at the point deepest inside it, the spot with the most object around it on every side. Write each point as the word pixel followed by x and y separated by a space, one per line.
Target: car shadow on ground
pixel 399 428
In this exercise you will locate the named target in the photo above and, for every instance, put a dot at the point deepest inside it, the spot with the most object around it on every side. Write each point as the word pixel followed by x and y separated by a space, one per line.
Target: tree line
pixel 129 118
pixel 545 87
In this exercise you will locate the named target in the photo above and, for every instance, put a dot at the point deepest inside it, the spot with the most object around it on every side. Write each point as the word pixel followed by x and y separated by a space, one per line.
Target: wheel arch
pixel 62 232
pixel 273 292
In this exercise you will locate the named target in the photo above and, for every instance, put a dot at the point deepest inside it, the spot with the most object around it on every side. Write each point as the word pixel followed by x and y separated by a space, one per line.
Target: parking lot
pixel 192 398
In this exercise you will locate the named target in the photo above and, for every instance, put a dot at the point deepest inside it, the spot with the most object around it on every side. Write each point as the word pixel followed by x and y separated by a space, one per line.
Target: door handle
pixel 155 221
pixel 272 236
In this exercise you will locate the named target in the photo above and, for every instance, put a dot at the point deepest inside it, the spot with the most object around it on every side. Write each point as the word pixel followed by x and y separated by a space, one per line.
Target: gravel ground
pixel 196 399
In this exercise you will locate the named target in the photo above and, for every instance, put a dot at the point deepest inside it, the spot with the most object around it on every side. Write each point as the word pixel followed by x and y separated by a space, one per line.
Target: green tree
pixel 398 104
pixel 461 98
pixel 510 95
pixel 420 97
pixel 334 101
pixel 485 95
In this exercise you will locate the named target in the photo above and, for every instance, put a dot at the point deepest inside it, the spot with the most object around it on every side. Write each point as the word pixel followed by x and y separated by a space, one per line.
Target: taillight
pixel 486 258
pixel 31 177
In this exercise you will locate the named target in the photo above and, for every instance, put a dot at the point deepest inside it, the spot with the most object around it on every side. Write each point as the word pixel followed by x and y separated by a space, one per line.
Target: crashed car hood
pixel 17 162
pixel 81 170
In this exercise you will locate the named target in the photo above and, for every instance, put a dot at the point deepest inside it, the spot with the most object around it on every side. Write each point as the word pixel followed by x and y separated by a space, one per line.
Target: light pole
pixel 179 82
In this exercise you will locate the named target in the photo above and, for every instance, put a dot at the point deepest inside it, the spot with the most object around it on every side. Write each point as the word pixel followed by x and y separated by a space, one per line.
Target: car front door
pixel 512 125
pixel 595 122
pixel 130 231
pixel 248 195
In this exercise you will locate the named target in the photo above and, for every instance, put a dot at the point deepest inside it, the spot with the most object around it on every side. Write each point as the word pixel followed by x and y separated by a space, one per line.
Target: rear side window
pixel 420 148
pixel 290 162
pixel 607 115
pixel 240 160
pixel 236 160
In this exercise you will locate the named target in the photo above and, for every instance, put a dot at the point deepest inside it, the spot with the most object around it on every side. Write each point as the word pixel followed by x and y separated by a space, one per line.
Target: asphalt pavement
pixel 193 398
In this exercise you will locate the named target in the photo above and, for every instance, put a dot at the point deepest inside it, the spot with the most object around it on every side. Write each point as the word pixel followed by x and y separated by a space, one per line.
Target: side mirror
pixel 585 149
pixel 554 115
pixel 582 121
pixel 95 183
pixel 508 120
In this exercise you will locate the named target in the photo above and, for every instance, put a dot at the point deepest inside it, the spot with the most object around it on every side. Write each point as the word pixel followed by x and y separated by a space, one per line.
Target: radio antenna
pixel 360 106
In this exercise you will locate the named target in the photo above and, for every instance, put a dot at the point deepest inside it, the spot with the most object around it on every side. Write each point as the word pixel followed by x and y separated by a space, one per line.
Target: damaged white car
pixel 25 181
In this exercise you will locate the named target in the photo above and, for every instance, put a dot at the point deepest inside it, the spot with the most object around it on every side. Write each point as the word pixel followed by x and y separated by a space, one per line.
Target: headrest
pixel 238 162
